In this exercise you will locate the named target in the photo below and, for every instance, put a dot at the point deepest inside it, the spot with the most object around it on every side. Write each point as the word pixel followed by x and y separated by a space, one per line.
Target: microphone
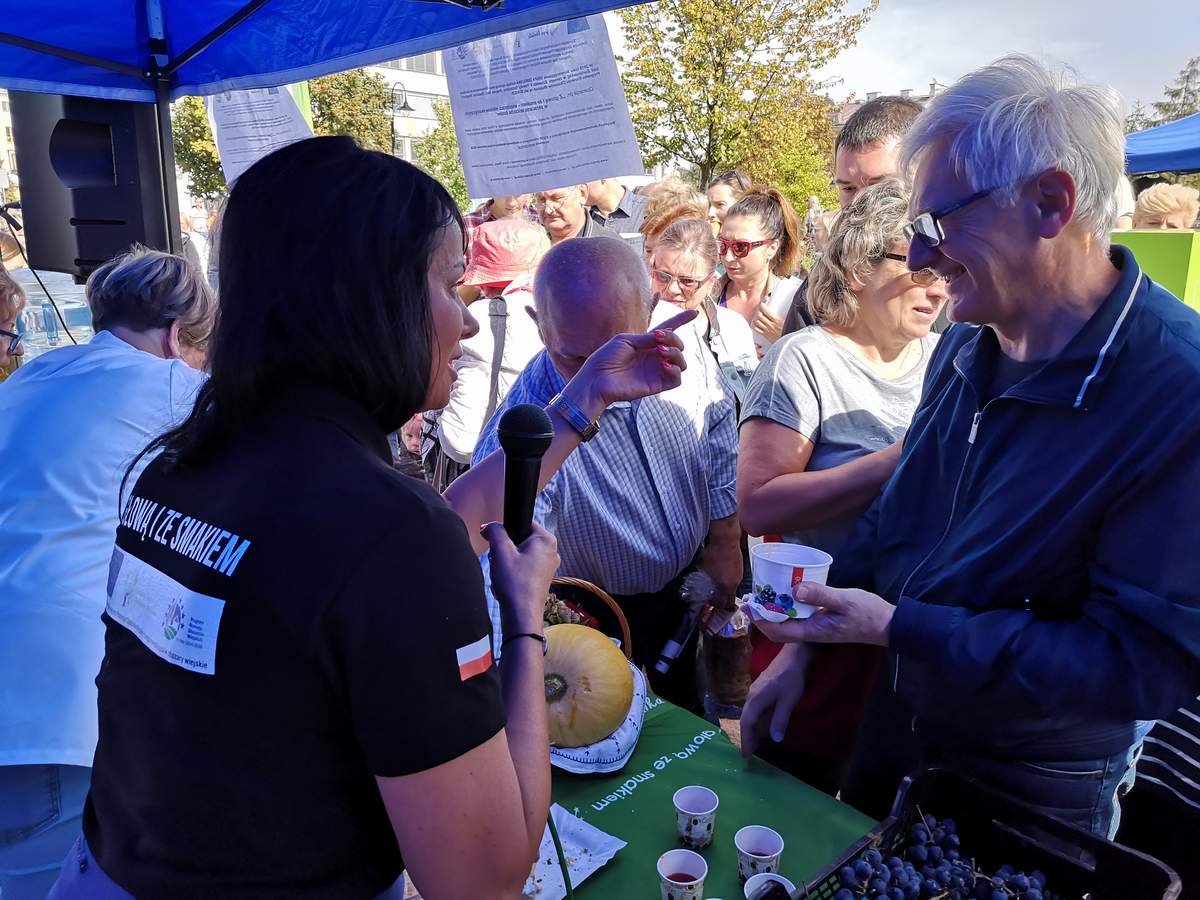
pixel 525 434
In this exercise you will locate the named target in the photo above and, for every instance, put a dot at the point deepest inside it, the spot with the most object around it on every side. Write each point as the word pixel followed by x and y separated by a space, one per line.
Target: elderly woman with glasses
pixel 683 266
pixel 821 432
pixel 12 301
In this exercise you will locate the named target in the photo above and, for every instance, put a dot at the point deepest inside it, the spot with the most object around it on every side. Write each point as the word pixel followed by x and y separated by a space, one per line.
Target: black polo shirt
pixel 283 625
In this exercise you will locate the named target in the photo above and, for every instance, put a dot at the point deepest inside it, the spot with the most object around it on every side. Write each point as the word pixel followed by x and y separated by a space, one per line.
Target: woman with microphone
pixel 298 696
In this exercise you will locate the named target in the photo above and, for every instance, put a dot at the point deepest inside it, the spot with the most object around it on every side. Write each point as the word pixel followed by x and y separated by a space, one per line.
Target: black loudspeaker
pixel 91 179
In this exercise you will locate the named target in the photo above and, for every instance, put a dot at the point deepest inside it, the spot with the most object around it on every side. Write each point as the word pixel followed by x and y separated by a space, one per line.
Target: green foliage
pixel 1181 98
pixel 195 149
pixel 714 84
pixel 1138 119
pixel 356 103
pixel 793 151
pixel 437 153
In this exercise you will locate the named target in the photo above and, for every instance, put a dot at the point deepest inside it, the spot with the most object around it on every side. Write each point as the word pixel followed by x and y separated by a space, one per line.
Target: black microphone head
pixel 525 431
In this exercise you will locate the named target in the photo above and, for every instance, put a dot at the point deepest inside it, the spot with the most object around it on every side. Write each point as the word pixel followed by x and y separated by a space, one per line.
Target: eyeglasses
pixel 739 248
pixel 928 225
pixel 686 284
pixel 14 339
pixel 922 277
pixel 542 203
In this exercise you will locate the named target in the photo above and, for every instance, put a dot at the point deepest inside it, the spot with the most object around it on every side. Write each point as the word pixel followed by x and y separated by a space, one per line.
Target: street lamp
pixel 400 106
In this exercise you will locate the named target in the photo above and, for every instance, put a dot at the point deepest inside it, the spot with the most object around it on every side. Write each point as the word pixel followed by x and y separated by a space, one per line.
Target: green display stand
pixel 678 749
pixel 1172 258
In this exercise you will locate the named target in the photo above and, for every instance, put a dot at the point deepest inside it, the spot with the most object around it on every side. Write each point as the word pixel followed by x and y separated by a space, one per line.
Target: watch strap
pixel 575 417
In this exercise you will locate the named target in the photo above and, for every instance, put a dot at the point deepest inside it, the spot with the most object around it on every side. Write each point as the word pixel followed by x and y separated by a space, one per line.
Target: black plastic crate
pixel 996 829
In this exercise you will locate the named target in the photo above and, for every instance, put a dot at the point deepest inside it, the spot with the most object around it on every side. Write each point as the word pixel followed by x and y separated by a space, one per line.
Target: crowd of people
pixel 262 636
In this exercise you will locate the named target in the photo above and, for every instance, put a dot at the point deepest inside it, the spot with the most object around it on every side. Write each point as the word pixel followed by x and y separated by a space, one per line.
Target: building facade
pixel 417 83
pixel 842 112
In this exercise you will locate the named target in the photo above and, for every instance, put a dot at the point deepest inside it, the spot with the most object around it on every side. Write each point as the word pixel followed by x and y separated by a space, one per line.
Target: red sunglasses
pixel 739 248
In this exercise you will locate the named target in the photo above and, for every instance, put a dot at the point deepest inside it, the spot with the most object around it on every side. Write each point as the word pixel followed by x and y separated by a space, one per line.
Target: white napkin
pixel 585 847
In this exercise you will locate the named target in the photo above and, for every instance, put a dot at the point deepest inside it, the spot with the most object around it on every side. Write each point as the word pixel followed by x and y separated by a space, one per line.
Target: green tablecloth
pixel 677 749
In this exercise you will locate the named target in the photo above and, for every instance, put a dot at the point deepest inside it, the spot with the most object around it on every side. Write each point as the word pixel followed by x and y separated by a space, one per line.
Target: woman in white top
pixel 759 243
pixel 683 272
pixel 821 432
pixel 504 256
pixel 70 423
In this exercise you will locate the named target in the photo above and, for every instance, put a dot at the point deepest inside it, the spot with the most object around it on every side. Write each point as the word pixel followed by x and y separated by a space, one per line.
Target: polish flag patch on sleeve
pixel 474 659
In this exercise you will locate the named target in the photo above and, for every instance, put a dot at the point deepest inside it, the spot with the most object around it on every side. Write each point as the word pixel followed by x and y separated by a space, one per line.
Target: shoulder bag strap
pixel 498 318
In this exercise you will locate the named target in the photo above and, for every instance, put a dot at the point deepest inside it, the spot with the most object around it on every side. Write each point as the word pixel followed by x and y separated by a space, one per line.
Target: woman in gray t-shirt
pixel 824 413
pixel 823 419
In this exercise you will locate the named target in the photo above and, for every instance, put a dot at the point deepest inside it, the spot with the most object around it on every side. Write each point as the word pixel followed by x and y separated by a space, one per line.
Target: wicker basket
pixel 597 596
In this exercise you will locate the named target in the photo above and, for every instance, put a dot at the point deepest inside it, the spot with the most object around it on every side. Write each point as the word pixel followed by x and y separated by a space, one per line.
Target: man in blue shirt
pixel 1031 565
pixel 652 491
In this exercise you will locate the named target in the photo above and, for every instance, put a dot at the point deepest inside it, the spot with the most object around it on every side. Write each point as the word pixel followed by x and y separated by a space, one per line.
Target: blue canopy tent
pixel 1173 147
pixel 155 51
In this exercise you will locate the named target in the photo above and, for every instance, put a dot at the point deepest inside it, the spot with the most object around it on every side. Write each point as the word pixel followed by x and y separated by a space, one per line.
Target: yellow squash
pixel 589 686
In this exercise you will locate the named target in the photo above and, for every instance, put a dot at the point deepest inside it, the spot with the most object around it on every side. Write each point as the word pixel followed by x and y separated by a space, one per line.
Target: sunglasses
pixel 922 277
pixel 14 339
pixel 739 248
pixel 928 225
pixel 686 284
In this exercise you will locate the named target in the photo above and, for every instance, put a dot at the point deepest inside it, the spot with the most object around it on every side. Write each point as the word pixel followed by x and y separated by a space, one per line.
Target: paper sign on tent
pixel 539 109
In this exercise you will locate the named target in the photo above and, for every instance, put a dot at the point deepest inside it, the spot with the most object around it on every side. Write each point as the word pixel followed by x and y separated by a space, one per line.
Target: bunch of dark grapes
pixel 931 866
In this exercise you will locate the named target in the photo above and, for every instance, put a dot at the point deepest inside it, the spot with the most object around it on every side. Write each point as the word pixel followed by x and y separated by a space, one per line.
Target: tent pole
pixel 217 33
pixel 166 157
pixel 157 27
pixel 63 53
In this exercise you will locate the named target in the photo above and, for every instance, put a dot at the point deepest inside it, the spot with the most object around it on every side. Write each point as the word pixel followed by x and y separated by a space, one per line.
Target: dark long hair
pixel 325 251
pixel 779 220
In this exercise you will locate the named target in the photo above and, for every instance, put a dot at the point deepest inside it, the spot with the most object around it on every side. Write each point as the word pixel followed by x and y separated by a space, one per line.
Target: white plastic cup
pixel 695 815
pixel 785 567
pixel 758 850
pixel 681 875
pixel 758 881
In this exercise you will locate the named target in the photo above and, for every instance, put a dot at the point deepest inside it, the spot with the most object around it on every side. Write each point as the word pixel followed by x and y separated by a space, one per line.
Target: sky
pixel 1137 46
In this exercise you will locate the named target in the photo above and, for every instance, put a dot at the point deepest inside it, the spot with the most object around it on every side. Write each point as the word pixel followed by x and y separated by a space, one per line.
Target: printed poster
pixel 540 109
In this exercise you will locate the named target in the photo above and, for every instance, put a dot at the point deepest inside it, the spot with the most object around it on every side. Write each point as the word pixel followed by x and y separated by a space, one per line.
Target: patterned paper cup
pixel 758 850
pixel 681 875
pixel 695 815
pixel 779 569
pixel 753 885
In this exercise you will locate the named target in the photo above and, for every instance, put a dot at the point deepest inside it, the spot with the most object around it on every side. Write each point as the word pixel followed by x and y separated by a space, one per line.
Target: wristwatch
pixel 575 417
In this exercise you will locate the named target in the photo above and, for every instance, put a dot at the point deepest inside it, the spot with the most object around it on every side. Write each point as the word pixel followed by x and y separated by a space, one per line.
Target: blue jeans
pixel 81 878
pixel 41 808
pixel 1083 793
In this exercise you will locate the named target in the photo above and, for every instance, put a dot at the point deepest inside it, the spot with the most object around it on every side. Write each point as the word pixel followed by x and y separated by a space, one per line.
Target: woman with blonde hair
pixel 683 272
pixel 759 244
pixel 821 432
pixel 656 223
pixel 1167 206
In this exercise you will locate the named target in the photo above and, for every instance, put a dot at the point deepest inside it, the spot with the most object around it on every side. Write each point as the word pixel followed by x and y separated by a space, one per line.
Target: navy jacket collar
pixel 1081 367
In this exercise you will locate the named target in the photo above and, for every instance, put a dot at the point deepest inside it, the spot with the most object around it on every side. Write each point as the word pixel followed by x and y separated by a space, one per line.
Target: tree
pixel 1183 97
pixel 356 103
pixel 1179 99
pixel 195 149
pixel 437 153
pixel 1138 119
pixel 792 151
pixel 719 83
